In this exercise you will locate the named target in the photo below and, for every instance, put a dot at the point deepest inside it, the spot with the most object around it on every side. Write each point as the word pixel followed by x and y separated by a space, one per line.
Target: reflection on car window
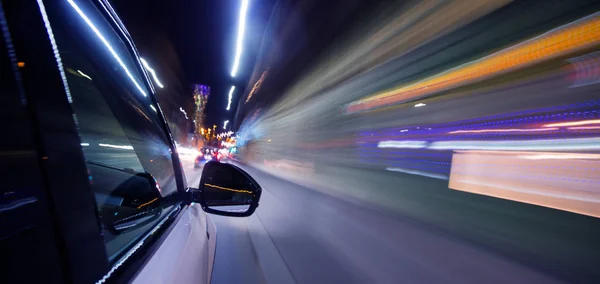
pixel 121 136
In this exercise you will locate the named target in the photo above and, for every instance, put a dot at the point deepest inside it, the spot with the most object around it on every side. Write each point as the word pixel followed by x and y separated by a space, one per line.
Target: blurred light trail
pixel 570 184
pixel 225 124
pixel 147 66
pixel 503 130
pixel 108 46
pixel 571 37
pixel 574 123
pixel 230 97
pixel 124 147
pixel 152 107
pixel 574 144
pixel 420 105
pixel 420 173
pixel 584 128
pixel 240 38
pixel 85 144
pixel 401 144
pixel 559 156
pixel 84 75
pixel 587 69
pixel 184 113
pixel 257 85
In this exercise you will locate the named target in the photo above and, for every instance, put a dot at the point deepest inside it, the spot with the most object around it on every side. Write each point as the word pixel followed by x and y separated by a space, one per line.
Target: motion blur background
pixel 408 141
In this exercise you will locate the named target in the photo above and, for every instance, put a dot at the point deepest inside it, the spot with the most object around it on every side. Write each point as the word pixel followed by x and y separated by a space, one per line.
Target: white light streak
pixel 85 144
pixel 420 105
pixel 240 39
pixel 573 144
pixel 108 46
pixel 504 130
pixel 402 144
pixel 124 147
pixel 147 66
pixel 420 173
pixel 184 113
pixel 153 108
pixel 84 75
pixel 230 96
pixel 574 123
pixel 225 124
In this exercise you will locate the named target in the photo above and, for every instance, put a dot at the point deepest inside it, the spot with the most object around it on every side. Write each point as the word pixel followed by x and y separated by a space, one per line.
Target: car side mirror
pixel 227 190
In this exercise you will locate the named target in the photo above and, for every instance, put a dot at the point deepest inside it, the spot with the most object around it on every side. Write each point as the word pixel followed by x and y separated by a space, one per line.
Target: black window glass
pixel 26 228
pixel 121 134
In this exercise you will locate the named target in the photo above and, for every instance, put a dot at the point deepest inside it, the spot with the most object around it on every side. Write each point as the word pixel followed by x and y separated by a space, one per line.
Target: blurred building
pixel 201 93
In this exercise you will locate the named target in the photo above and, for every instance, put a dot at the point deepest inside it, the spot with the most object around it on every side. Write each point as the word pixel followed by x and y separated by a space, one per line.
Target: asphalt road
pixel 299 235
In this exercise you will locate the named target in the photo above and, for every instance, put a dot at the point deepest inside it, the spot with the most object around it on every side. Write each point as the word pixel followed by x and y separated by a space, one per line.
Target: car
pixel 92 187
pixel 202 159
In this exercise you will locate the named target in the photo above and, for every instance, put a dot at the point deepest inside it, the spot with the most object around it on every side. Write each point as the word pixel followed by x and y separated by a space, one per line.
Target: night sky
pixel 190 42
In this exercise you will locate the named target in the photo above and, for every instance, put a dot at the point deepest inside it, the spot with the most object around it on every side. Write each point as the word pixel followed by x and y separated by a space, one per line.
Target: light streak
pixel 230 96
pixel 228 189
pixel 147 66
pixel 574 144
pixel 402 144
pixel 503 130
pixel 574 123
pixel 415 172
pixel 240 39
pixel 124 147
pixel 84 75
pixel 571 37
pixel 108 46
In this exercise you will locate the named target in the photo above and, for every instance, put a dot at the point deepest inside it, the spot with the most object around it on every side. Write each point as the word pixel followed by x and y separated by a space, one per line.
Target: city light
pixel 108 46
pixel 225 124
pixel 230 96
pixel 420 105
pixel 241 28
pixel 158 83
pixel 84 144
pixel 152 107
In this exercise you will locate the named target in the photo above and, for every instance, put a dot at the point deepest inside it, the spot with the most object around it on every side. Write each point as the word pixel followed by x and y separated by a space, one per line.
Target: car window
pixel 120 129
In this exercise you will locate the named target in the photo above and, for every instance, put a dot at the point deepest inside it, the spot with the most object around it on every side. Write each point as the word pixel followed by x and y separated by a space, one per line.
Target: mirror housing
pixel 226 190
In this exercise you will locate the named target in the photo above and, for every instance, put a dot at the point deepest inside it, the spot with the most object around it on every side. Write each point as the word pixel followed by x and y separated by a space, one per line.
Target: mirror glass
pixel 132 203
pixel 226 188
